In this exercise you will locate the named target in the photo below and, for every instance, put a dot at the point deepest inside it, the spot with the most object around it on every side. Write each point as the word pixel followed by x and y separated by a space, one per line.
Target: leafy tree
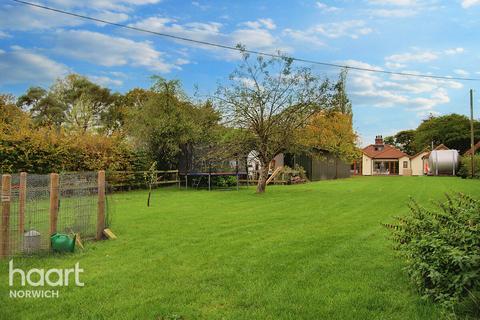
pixel 340 101
pixel 453 130
pixel 44 107
pixel 163 121
pixel 271 99
pixel 84 102
pixel 333 132
pixel 11 116
pixel 403 140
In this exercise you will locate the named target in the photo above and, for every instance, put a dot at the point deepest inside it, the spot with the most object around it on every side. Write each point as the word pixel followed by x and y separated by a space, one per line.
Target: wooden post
pixel 472 135
pixel 5 223
pixel 22 200
pixel 101 205
pixel 54 196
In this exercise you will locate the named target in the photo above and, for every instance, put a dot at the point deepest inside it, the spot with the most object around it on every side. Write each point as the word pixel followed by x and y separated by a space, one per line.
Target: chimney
pixel 379 140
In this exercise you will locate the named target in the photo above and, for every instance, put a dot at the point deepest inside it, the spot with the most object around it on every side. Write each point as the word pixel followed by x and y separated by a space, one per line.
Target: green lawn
pixel 313 251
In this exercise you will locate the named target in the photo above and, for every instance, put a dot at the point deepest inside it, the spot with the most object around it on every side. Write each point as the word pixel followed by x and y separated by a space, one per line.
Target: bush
pixel 441 248
pixel 465 170
pixel 224 181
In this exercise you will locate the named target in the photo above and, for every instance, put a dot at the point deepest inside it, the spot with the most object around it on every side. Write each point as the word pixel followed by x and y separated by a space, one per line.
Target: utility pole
pixel 472 138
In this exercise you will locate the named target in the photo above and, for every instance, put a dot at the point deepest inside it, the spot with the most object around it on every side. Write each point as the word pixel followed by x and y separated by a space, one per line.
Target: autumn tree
pixel 330 131
pixel 270 98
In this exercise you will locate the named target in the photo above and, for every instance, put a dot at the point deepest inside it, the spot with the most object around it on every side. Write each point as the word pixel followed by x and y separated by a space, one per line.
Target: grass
pixel 313 251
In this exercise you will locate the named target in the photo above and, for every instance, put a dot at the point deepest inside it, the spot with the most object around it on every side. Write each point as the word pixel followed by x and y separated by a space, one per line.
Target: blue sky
pixel 424 36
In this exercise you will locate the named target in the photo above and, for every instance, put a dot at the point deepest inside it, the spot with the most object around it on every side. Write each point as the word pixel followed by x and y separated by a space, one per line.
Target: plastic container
pixel 62 242
pixel 31 241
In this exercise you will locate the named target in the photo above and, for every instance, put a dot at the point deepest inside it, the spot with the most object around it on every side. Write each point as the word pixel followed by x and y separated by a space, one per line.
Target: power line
pixel 228 47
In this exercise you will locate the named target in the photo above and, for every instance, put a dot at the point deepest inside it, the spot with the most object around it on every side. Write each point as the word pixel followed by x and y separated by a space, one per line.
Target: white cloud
pixel 266 23
pixel 18 17
pixel 116 5
pixel 203 31
pixel 110 16
pixel 394 65
pixel 400 8
pixel 454 51
pixel 22 17
pixel 393 13
pixel 253 34
pixel 101 49
pixel 470 3
pixel 418 56
pixel 350 28
pixel 326 8
pixel 4 35
pixel 388 91
pixel 20 65
pixel 401 3
pixel 199 5
pixel 461 72
pixel 313 35
pixel 306 37
pixel 106 81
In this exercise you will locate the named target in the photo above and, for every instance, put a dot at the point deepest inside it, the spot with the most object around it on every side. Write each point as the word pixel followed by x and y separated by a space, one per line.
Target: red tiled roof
pixel 475 149
pixel 388 152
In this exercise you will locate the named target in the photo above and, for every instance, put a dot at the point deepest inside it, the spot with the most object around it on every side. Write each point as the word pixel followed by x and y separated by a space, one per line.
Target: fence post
pixel 54 195
pixel 22 200
pixel 101 205
pixel 4 228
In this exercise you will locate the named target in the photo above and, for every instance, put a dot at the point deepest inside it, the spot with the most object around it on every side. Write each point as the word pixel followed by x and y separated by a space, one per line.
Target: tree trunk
pixel 149 195
pixel 336 168
pixel 262 180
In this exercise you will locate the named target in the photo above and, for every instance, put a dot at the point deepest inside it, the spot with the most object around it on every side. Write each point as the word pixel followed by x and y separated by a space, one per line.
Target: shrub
pixel 441 248
pixel 465 170
pixel 224 181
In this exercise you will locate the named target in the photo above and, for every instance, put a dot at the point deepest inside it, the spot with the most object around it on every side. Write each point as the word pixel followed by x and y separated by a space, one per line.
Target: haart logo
pixel 41 278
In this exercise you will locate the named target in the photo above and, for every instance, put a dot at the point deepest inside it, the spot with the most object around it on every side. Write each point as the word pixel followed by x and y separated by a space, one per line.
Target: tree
pixel 332 132
pixel 12 118
pixel 271 99
pixel 44 107
pixel 163 121
pixel 453 130
pixel 403 140
pixel 340 101
pixel 84 102
pixel 151 178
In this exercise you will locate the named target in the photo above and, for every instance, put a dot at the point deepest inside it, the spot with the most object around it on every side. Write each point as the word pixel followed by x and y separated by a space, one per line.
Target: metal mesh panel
pixel 78 204
pixel 77 210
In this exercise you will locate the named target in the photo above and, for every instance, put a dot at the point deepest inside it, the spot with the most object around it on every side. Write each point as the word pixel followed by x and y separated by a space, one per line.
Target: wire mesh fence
pixel 27 223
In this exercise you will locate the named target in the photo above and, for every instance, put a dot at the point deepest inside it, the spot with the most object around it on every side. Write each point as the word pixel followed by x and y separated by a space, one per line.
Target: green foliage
pixel 403 140
pixel 441 248
pixel 271 98
pixel 465 170
pixel 224 181
pixel 453 130
pixel 43 106
pixel 340 101
pixel 163 121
